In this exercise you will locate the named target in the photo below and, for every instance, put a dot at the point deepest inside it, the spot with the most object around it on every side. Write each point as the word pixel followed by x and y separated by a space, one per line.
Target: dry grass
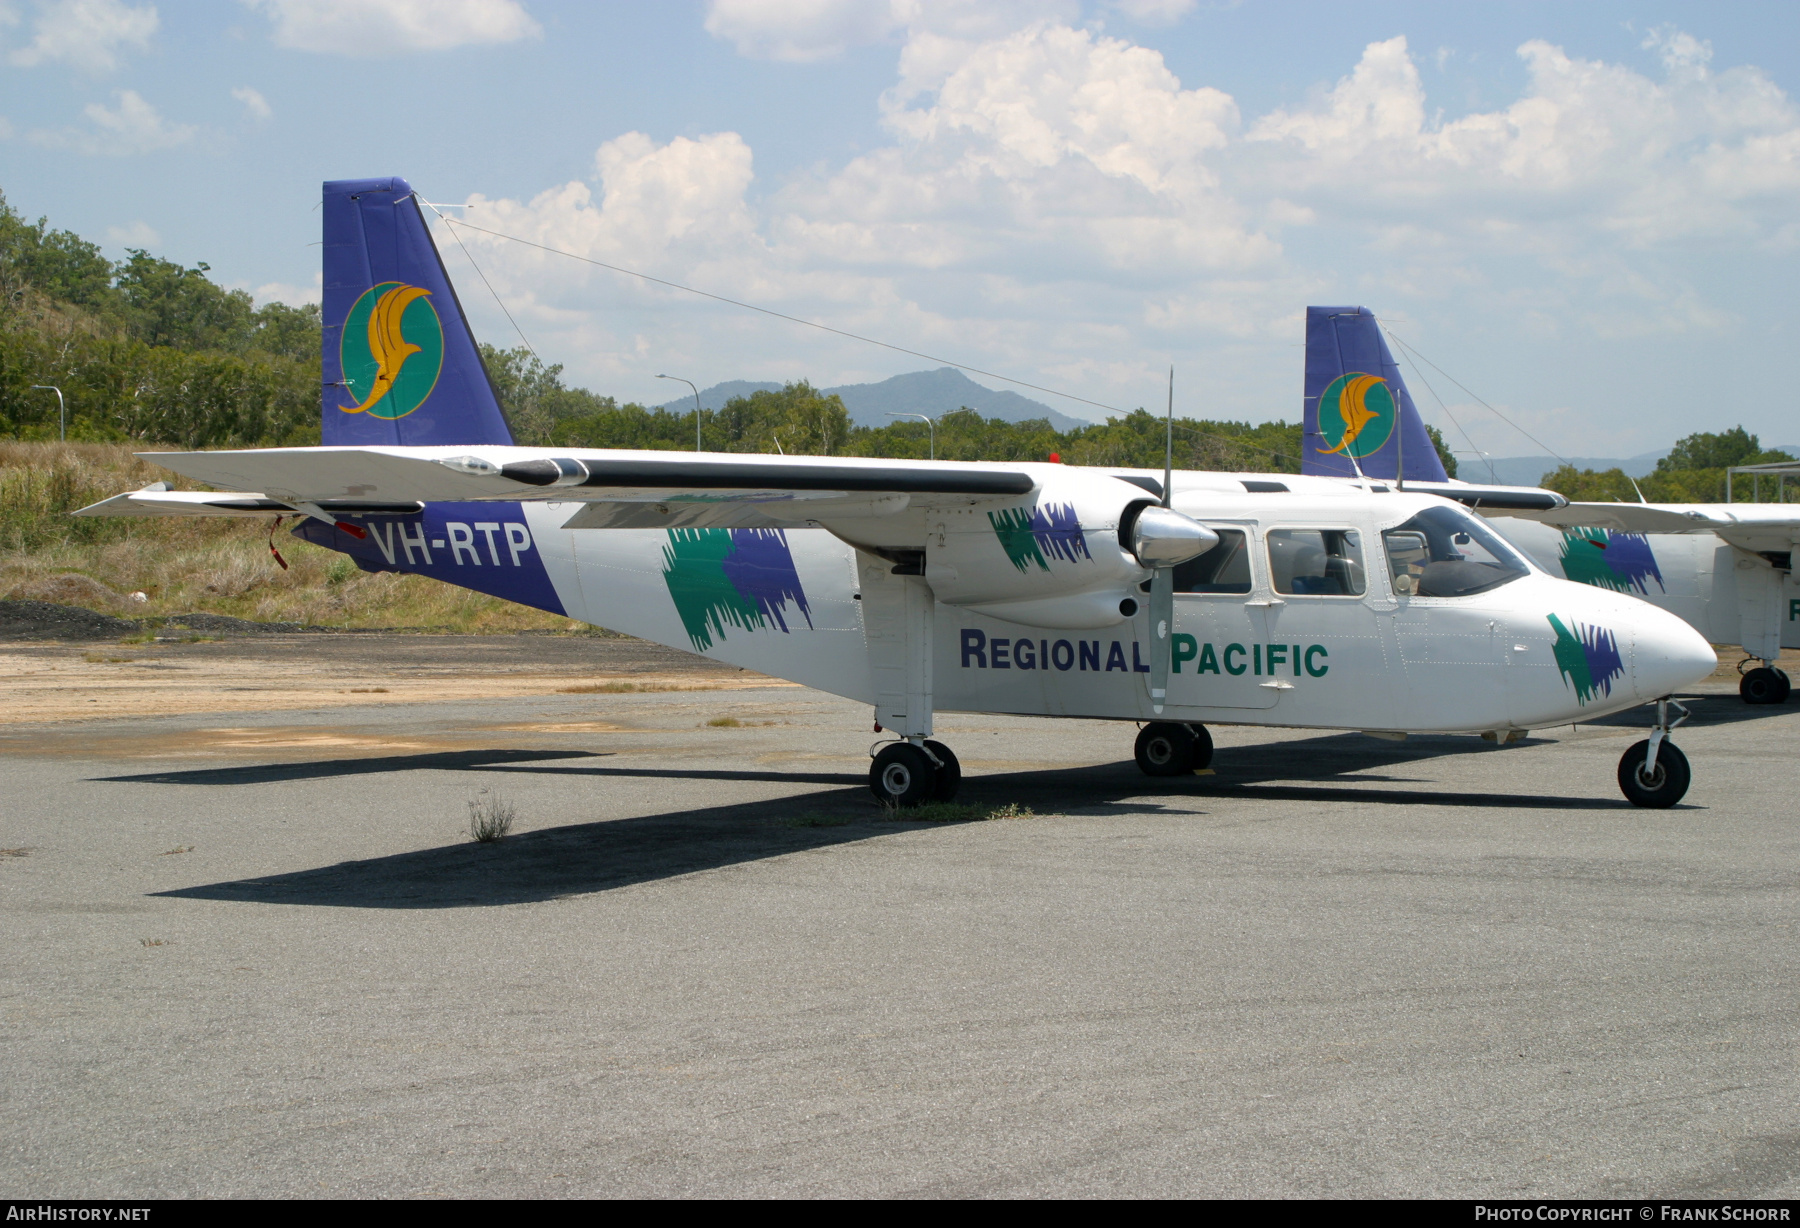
pixel 634 688
pixel 184 565
pixel 957 812
pixel 490 817
pixel 368 690
pixel 732 722
pixel 156 942
pixel 177 850
pixel 15 852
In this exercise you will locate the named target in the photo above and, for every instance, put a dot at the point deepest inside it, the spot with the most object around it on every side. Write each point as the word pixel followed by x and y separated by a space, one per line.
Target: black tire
pixel 1787 686
pixel 949 773
pixel 1667 786
pixel 1763 685
pixel 1203 748
pixel 902 776
pixel 1165 749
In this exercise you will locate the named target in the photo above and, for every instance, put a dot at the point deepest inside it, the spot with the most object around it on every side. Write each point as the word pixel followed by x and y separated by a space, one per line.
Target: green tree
pixel 290 332
pixel 58 264
pixel 1717 451
pixel 166 304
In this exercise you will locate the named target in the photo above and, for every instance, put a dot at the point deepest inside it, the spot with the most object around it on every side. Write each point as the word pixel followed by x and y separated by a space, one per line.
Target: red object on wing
pixel 1056 458
pixel 354 530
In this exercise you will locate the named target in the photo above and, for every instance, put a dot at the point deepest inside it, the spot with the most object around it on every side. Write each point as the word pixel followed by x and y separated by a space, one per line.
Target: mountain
pixel 919 392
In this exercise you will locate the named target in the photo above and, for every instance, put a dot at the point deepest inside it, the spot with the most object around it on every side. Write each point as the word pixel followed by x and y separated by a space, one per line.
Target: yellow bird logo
pixel 1353 408
pixel 389 348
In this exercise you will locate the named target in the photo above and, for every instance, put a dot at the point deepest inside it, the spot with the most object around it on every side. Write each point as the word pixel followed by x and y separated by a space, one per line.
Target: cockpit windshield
pixel 1448 552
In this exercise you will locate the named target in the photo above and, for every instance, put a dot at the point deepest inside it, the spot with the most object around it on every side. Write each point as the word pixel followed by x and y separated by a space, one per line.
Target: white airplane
pixel 1171 600
pixel 1723 568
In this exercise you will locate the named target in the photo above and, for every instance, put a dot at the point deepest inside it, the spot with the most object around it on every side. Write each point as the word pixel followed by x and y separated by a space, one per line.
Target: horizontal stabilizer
pixel 157 502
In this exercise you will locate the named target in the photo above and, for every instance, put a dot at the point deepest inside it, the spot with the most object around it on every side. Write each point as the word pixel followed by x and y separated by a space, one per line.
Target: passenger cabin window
pixel 1447 552
pixel 1316 562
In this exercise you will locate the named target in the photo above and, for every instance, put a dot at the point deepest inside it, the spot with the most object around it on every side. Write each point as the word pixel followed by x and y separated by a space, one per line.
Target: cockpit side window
pixel 1316 562
pixel 1447 552
pixel 1223 569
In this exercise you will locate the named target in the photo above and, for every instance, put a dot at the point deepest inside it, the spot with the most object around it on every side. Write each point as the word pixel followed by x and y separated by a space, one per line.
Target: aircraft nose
pixel 1667 655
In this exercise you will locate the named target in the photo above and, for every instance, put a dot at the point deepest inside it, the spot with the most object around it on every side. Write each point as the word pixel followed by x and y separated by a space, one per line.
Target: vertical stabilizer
pixel 401 366
pixel 1357 404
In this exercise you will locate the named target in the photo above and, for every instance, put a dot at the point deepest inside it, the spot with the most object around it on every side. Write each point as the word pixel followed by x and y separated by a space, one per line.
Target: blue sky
pixel 1585 213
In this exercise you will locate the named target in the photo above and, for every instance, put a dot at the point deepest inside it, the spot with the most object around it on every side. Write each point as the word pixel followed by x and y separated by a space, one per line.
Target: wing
pixel 634 489
pixel 1756 527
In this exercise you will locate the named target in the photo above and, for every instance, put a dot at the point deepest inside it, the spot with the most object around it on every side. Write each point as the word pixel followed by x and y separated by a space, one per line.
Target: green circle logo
pixel 1357 414
pixel 392 350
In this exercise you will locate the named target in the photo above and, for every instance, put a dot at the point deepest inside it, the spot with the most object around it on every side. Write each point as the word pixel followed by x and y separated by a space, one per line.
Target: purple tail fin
pixel 1357 405
pixel 401 366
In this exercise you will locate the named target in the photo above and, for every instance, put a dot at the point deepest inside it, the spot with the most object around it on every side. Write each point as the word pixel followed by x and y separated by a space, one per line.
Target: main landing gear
pixel 1763 685
pixel 1165 748
pixel 1654 773
pixel 914 773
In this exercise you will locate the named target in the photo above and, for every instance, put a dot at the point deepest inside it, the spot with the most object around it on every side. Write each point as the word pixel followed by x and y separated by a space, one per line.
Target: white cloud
pixel 134 127
pixel 1590 146
pixel 86 34
pixel 803 31
pixel 136 234
pixel 1154 12
pixel 294 296
pixel 1056 204
pixel 255 105
pixel 390 27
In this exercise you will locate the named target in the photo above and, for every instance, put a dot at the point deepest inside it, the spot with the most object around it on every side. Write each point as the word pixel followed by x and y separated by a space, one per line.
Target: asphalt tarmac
pixel 257 954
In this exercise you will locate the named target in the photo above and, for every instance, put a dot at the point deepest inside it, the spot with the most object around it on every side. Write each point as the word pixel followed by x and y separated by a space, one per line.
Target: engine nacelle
pixel 1056 557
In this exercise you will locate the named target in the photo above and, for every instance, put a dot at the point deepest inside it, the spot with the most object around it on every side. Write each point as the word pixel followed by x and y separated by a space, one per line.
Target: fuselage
pixel 1312 627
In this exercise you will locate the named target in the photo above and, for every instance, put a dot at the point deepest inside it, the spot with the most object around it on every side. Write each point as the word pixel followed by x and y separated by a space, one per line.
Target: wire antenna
pixel 484 277
pixel 1515 426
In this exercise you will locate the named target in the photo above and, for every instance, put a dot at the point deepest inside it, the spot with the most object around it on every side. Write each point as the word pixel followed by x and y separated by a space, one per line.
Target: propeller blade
pixel 1162 634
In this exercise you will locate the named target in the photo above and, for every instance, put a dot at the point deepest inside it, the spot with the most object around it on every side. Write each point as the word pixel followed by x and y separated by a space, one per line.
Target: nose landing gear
pixel 911 774
pixel 1654 773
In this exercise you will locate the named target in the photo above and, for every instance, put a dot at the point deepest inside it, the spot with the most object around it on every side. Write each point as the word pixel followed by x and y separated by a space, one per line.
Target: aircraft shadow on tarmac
pixel 579 859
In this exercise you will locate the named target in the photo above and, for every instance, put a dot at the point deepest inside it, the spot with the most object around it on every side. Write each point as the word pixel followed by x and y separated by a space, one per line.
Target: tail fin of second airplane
pixel 401 366
pixel 1357 406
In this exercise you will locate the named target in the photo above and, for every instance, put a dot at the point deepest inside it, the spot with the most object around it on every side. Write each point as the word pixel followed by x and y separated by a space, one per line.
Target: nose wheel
pixel 1654 773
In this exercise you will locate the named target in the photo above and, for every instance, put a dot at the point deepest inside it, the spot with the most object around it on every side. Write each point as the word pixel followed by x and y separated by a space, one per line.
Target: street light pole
pixel 929 426
pixel 62 413
pixel 690 384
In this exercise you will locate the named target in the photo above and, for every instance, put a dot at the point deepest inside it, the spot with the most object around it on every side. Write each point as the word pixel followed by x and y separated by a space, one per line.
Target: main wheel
pixel 1787 686
pixel 1166 749
pixel 1203 748
pixel 949 773
pixel 902 776
pixel 1764 686
pixel 1661 788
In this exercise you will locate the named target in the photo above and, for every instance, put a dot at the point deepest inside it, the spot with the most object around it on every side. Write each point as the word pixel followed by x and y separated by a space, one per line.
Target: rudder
pixel 400 363
pixel 1357 404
